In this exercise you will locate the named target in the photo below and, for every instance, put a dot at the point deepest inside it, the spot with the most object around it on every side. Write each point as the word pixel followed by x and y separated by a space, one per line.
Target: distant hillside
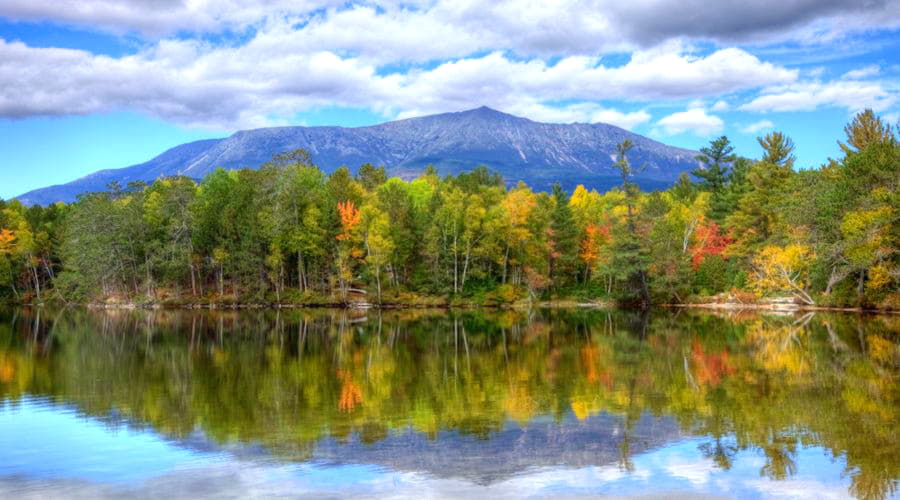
pixel 518 148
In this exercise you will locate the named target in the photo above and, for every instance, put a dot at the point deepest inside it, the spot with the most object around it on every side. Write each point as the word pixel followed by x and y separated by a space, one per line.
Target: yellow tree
pixel 7 239
pixel 7 246
pixel 518 206
pixel 783 270
pixel 21 246
pixel 379 245
pixel 870 239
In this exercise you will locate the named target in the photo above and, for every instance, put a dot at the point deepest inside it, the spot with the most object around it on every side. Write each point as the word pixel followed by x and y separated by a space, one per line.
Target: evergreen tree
pixel 563 240
pixel 760 216
pixel 629 252
pixel 866 128
pixel 717 159
pixel 371 176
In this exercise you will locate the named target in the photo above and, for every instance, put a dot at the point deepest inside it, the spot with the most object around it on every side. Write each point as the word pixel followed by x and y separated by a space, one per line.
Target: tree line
pixel 289 233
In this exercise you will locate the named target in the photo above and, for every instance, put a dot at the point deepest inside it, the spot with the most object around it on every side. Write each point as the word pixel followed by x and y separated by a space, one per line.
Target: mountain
pixel 518 148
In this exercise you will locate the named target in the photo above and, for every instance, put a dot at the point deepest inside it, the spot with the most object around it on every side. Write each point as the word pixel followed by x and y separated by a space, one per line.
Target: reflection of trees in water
pixel 288 378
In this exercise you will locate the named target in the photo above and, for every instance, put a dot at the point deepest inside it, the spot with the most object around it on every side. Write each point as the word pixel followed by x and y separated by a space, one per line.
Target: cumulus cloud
pixel 226 87
pixel 757 126
pixel 807 96
pixel 527 26
pixel 694 120
pixel 762 21
pixel 585 112
pixel 407 58
pixel 159 17
pixel 864 72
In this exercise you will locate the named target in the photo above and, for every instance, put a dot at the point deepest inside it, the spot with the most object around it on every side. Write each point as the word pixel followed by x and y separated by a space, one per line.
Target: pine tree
pixel 629 254
pixel 717 159
pixel 760 215
pixel 563 239
pixel 865 129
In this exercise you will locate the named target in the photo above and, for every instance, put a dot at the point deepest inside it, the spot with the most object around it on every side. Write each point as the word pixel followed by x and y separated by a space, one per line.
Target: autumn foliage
pixel 7 238
pixel 351 394
pixel 350 218
pixel 595 236
pixel 710 367
pixel 709 241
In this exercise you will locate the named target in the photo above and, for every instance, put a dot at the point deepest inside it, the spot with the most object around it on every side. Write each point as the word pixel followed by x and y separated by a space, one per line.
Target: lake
pixel 416 403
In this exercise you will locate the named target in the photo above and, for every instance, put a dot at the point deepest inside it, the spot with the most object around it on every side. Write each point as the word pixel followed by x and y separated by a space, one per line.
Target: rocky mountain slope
pixel 518 148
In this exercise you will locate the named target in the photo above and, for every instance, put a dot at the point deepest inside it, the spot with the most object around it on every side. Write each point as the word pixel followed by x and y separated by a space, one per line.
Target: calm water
pixel 436 404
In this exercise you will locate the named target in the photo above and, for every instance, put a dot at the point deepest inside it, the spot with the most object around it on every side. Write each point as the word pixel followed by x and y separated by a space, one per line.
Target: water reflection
pixel 485 398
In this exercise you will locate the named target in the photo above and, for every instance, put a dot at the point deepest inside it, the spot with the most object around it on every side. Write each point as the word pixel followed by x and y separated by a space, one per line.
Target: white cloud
pixel 563 27
pixel 757 126
pixel 816 72
pixel 693 120
pixel 864 72
pixel 807 96
pixel 158 17
pixel 697 103
pixel 581 113
pixel 196 84
pixel 422 56
pixel 800 489
pixel 625 120
pixel 698 473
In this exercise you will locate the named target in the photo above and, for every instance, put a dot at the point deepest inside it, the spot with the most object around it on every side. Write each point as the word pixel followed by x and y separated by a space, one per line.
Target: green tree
pixel 760 216
pixel 371 176
pixel 629 253
pixel 563 240
pixel 716 159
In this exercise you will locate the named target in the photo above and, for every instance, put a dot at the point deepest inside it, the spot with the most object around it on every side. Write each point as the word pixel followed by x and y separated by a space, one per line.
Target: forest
pixel 736 229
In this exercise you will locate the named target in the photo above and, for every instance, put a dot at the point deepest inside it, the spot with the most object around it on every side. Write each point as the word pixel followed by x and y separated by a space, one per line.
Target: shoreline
pixel 739 306
pixel 548 304
pixel 544 304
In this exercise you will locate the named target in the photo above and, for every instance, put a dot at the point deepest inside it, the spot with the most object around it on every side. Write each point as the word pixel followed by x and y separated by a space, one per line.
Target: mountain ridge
pixel 516 147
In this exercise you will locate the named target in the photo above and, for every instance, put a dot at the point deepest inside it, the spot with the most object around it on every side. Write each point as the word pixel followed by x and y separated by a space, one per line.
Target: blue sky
pixel 93 84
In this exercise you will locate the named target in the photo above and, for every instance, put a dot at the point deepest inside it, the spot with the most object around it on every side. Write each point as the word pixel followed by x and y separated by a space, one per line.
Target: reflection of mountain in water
pixel 513 450
pixel 543 442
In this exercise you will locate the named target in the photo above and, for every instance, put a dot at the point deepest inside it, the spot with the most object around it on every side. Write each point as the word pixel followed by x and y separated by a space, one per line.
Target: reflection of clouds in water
pixel 671 472
pixel 696 472
pixel 610 473
pixel 799 488
pixel 242 481
pixel 676 470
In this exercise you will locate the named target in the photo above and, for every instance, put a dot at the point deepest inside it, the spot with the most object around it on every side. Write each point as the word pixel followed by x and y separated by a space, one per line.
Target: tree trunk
pixel 301 271
pixel 465 269
pixel 378 282
pixel 149 279
pixel 193 279
pixel 49 269
pixel 833 279
pixel 37 281
pixel 860 286
pixel 12 283
pixel 455 266
pixel 505 263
